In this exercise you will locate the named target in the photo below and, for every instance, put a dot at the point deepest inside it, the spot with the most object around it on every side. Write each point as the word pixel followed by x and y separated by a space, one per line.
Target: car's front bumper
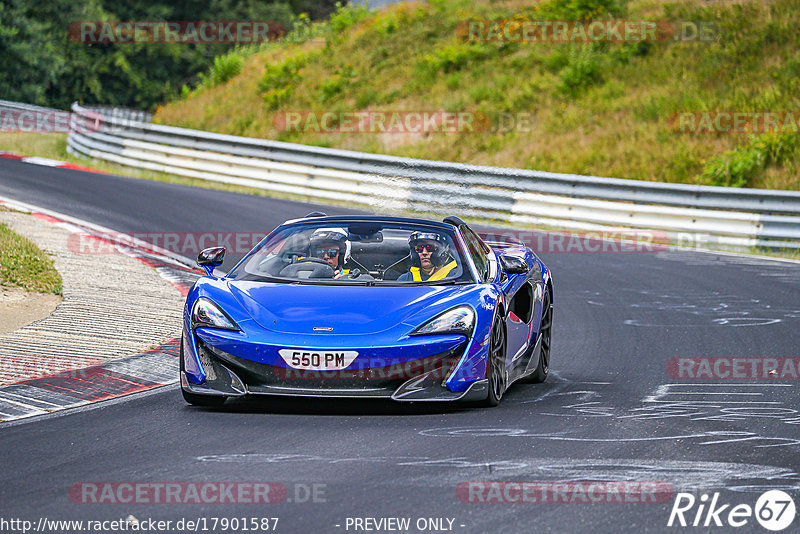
pixel 408 392
pixel 423 379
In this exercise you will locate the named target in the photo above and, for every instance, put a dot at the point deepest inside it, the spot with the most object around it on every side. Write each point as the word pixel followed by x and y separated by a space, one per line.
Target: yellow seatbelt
pixel 444 271
pixel 438 275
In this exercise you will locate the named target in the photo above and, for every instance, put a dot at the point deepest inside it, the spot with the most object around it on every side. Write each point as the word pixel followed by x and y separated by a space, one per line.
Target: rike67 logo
pixel 774 510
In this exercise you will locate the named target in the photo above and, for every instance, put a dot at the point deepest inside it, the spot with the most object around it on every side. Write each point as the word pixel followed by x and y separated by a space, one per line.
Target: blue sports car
pixel 368 307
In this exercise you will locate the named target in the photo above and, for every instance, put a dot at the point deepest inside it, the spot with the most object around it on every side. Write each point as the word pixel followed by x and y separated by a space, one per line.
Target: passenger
pixel 430 258
pixel 330 244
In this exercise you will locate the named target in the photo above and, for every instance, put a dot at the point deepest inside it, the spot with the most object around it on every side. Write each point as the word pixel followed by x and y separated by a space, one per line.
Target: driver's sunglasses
pixel 429 248
pixel 331 252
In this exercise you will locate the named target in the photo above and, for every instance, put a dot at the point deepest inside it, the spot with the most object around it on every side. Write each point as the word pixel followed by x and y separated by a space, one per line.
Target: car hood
pixel 298 309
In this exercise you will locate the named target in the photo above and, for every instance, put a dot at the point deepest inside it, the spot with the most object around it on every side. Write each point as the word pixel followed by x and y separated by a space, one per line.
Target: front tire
pixel 546 327
pixel 496 364
pixel 207 401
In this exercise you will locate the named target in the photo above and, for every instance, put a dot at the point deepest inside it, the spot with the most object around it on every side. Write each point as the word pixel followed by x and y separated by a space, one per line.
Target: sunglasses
pixel 429 248
pixel 331 252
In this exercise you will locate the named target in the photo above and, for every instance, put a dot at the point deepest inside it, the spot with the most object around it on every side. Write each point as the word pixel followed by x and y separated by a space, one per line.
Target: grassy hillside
pixel 603 108
pixel 23 264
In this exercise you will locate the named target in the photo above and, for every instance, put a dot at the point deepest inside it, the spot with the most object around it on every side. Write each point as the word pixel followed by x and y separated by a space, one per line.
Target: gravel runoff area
pixel 19 307
pixel 113 306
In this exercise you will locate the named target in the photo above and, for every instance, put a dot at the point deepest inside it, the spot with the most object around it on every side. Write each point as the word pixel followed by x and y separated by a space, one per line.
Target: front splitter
pixel 410 391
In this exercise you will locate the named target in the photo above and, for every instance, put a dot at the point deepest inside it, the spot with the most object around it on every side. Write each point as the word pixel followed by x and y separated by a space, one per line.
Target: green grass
pixel 23 264
pixel 602 109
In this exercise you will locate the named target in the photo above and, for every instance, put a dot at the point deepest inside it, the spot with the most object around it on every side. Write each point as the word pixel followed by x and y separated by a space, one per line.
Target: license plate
pixel 318 360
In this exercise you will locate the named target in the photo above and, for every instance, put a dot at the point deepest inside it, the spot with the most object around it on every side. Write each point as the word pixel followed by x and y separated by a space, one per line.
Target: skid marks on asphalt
pixel 452 470
pixel 711 414
pixel 691 309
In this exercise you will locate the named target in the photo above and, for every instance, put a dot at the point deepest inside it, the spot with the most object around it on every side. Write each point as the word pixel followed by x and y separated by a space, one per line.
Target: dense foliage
pixel 40 64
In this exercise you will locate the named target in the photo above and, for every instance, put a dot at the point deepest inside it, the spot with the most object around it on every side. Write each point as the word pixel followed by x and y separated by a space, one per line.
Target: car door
pixel 520 310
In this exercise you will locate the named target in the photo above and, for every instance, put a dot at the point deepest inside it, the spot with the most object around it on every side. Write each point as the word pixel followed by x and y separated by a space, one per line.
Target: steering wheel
pixel 308 268
pixel 313 260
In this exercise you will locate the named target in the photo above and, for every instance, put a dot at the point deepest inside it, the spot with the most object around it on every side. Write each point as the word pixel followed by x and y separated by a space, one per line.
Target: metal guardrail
pixel 19 117
pixel 18 106
pixel 123 114
pixel 105 111
pixel 727 217
pixel 33 118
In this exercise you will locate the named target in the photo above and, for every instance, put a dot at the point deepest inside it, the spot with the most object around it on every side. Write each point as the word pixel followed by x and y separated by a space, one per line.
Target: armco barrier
pixel 18 106
pixel 730 217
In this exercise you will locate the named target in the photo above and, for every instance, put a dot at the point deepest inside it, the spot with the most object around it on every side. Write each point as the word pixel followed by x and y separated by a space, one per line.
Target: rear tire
pixel 546 327
pixel 207 401
pixel 496 364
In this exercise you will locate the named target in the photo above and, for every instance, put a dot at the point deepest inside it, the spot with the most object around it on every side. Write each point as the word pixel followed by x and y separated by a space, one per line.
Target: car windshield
pixel 358 253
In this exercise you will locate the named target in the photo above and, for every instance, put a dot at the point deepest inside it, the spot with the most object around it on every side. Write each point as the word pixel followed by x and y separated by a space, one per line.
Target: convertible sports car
pixel 369 307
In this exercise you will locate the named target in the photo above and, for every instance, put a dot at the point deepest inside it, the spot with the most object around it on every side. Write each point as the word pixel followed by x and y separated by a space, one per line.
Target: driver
pixel 330 244
pixel 429 258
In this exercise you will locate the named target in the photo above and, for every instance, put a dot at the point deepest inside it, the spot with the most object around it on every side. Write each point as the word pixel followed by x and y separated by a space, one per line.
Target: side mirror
pixel 210 258
pixel 513 265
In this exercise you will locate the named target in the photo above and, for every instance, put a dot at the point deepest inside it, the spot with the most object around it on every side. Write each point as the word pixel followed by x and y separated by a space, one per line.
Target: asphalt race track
pixel 610 411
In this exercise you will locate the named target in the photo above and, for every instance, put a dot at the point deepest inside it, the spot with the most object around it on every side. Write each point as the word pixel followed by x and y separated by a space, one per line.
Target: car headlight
pixel 206 313
pixel 456 321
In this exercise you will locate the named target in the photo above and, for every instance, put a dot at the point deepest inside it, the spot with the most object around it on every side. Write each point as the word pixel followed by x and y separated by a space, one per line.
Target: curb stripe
pixel 46 162
pixel 81 168
pixel 115 378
